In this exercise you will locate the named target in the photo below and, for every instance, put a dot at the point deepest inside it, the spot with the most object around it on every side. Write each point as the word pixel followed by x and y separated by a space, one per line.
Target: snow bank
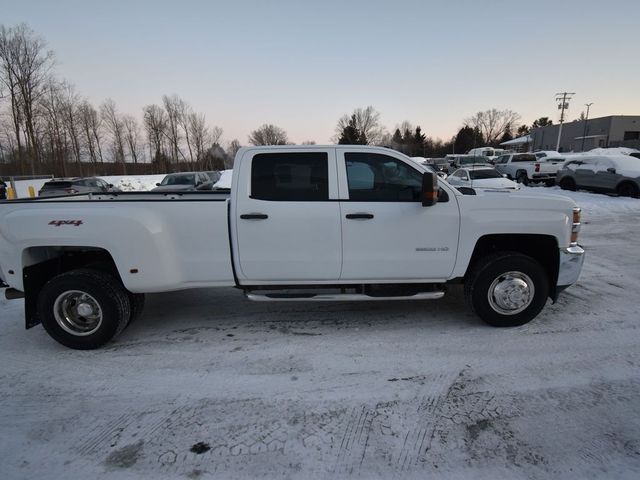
pixel 607 151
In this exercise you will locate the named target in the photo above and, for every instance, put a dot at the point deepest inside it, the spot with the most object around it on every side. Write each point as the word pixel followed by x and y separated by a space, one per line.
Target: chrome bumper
pixel 571 260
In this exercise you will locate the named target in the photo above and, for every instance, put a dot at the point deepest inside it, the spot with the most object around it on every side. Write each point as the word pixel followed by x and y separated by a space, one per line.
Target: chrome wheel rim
pixel 511 293
pixel 77 313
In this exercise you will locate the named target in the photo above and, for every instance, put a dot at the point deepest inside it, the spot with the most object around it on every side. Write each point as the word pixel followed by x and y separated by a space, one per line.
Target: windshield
pixel 178 180
pixel 483 174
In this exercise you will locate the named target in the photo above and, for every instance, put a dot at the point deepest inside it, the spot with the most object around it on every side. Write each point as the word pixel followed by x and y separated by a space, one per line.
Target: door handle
pixel 359 216
pixel 254 216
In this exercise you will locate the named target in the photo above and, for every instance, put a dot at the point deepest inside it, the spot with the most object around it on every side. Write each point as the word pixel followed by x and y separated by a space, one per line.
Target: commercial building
pixel 581 135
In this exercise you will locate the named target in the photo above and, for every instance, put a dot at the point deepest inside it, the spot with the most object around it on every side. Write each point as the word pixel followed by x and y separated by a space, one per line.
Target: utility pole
pixel 563 104
pixel 584 133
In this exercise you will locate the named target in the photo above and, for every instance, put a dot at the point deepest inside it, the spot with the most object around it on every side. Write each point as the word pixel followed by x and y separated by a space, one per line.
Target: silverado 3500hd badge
pixel 59 223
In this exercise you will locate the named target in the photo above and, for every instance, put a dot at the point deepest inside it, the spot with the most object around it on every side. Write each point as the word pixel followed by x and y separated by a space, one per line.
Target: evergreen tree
pixel 522 131
pixel 418 143
pixel 350 134
pixel 466 139
pixel 506 135
pixel 542 122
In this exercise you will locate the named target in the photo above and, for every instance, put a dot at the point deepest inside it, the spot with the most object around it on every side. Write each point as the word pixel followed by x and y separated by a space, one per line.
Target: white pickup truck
pixel 311 223
pixel 526 167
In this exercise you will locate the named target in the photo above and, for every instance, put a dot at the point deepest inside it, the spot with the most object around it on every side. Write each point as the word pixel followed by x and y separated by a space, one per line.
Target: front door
pixel 287 217
pixel 387 235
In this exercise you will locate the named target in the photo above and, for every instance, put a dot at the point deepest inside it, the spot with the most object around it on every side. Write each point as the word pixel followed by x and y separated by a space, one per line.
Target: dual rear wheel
pixel 84 309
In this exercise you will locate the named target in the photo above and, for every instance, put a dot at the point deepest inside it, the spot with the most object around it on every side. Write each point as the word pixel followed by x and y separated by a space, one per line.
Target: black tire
pixel 136 300
pixel 491 269
pixel 627 189
pixel 568 184
pixel 58 308
pixel 522 178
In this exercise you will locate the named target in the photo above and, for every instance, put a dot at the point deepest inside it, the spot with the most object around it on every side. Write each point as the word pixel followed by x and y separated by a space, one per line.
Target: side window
pixel 503 159
pixel 290 176
pixel 375 177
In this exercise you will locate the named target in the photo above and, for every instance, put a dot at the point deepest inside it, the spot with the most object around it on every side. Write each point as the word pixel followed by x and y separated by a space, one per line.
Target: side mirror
pixel 157 184
pixel 611 170
pixel 430 189
pixel 504 175
pixel 111 185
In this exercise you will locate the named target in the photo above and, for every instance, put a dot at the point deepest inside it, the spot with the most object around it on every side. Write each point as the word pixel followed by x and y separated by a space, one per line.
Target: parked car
pixel 461 161
pixel 72 186
pixel 480 177
pixel 611 174
pixel 431 168
pixel 184 181
pixel 526 167
pixel 490 153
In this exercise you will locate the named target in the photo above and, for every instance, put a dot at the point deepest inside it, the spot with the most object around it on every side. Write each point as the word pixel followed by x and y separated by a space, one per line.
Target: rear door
pixel 387 235
pixel 287 217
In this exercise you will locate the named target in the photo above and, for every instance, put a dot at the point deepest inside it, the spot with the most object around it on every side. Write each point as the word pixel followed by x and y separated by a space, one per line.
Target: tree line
pixel 46 126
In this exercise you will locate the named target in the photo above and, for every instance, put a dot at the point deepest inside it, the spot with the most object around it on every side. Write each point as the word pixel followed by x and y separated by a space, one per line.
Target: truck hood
pixel 517 199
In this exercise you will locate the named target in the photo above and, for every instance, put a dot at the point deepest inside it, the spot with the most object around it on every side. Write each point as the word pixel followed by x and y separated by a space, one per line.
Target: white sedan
pixel 481 177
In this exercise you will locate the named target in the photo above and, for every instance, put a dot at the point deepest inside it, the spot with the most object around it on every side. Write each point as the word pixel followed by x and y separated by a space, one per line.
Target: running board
pixel 337 297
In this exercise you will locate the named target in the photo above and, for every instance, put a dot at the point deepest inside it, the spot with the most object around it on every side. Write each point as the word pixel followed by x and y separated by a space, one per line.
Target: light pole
pixel 584 132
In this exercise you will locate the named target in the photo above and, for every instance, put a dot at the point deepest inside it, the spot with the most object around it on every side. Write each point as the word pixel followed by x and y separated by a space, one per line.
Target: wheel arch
pixel 542 248
pixel 626 181
pixel 42 263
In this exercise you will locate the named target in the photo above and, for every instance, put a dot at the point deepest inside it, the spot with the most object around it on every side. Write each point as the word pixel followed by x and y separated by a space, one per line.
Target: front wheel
pixel 507 289
pixel 83 309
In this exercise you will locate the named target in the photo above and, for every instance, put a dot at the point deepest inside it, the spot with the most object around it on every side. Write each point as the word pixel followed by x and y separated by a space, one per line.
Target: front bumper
pixel 571 260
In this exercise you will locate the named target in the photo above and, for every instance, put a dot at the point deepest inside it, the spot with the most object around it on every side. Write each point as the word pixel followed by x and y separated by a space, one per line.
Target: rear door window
pixel 290 176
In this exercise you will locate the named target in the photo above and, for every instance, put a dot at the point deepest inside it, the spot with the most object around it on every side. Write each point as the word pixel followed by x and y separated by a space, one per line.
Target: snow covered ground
pixel 209 385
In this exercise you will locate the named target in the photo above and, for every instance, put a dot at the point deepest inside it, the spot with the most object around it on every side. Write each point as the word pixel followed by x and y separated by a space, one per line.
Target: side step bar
pixel 337 297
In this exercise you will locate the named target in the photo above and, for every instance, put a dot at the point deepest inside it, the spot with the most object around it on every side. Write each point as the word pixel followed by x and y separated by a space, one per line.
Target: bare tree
pixel 172 132
pixel 492 123
pixel 183 110
pixel 90 124
pixel 198 132
pixel 268 134
pixel 132 136
pixel 366 122
pixel 70 102
pixel 232 149
pixel 114 125
pixel 155 124
pixel 25 70
pixel 54 133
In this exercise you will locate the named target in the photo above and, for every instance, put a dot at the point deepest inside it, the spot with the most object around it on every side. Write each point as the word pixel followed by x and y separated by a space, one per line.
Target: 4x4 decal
pixel 59 223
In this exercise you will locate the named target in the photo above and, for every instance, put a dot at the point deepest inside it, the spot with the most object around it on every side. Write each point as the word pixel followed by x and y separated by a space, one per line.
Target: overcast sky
pixel 302 64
